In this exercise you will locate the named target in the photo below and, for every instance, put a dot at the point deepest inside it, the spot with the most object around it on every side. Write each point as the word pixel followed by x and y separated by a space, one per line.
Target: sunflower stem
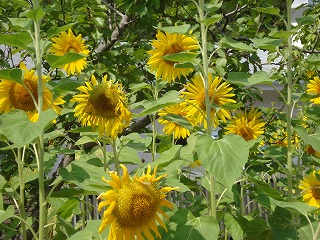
pixel 40 147
pixel 104 150
pixel 289 103
pixel 153 123
pixel 115 155
pixel 317 233
pixel 205 63
pixel 23 230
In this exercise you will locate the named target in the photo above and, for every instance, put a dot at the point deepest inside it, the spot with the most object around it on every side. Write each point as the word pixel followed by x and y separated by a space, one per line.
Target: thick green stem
pixel 115 155
pixel 23 230
pixel 40 146
pixel 205 63
pixel 289 102
pixel 104 150
pixel 317 233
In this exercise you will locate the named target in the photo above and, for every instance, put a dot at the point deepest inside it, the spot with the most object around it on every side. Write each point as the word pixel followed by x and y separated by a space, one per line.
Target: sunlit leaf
pixel 59 61
pixel 312 139
pixel 227 42
pixel 13 74
pixel 223 158
pixel 181 57
pixel 269 10
pixel 17 127
pixel 212 19
pixel 56 30
pixel 183 29
pixel 245 79
pixel 267 43
pixel 8 213
pixel 24 23
pixel 19 40
pixel 35 14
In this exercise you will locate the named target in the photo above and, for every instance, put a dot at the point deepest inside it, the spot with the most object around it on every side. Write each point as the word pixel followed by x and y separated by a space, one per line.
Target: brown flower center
pixel 173 48
pixel 137 203
pixel 20 96
pixel 246 132
pixel 316 192
pixel 104 101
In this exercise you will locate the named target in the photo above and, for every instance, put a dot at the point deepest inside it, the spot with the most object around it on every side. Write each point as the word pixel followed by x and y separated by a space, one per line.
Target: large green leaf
pixel 181 57
pixel 267 43
pixel 83 234
pixel 55 30
pixel 59 61
pixel 301 207
pixel 314 58
pixel 223 158
pixel 245 79
pixel 13 74
pixel 183 225
pixel 268 10
pixel 16 126
pixel 176 29
pixel 257 229
pixel 266 188
pixel 233 44
pixel 212 19
pixel 85 175
pixel 312 139
pixel 35 14
pixel 8 213
pixel 148 107
pixel 233 227
pixel 129 155
pixel 19 40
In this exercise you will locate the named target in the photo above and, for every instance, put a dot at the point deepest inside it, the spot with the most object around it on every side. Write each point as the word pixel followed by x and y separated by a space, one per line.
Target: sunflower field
pixel 153 119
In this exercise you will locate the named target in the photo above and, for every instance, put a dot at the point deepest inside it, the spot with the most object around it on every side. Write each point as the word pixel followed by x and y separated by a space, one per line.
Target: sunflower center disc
pixel 104 101
pixel 316 192
pixel 137 204
pixel 246 133
pixel 20 96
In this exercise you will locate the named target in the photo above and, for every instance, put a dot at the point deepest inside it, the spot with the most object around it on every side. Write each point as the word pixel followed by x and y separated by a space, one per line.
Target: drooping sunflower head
pixel 172 127
pixel 310 186
pixel 165 44
pixel 219 95
pixel 133 206
pixel 14 95
pixel 102 105
pixel 68 42
pixel 248 125
pixel 313 88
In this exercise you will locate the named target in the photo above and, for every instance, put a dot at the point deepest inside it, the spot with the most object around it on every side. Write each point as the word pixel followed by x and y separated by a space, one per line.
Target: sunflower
pixel 219 94
pixel 246 124
pixel 174 127
pixel 68 42
pixel 311 189
pixel 165 44
pixel 14 95
pixel 280 138
pixel 313 88
pixel 103 105
pixel 133 206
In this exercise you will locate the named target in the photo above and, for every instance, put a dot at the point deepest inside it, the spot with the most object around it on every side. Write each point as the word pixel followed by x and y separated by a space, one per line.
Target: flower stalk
pixel 205 63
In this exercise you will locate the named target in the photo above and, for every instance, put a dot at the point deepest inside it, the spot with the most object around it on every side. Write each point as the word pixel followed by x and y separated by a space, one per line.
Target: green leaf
pixel 266 188
pixel 129 155
pixel 312 139
pixel 183 225
pixel 13 74
pixel 85 175
pixel 8 213
pixel 245 79
pixel 223 158
pixel 182 121
pixel 23 23
pixel 314 58
pixel 204 227
pixel 268 10
pixel 136 141
pixel 282 34
pixel 283 225
pixel 300 207
pixel 307 19
pixel 92 226
pixel 67 209
pixel 183 29
pixel 257 229
pixel 212 20
pixel 35 14
pixel 19 40
pixel 267 43
pixel 16 126
pixel 148 107
pixel 56 30
pixel 83 234
pixel 70 192
pixel 181 57
pixel 59 61
pixel 233 44
pixel 233 227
